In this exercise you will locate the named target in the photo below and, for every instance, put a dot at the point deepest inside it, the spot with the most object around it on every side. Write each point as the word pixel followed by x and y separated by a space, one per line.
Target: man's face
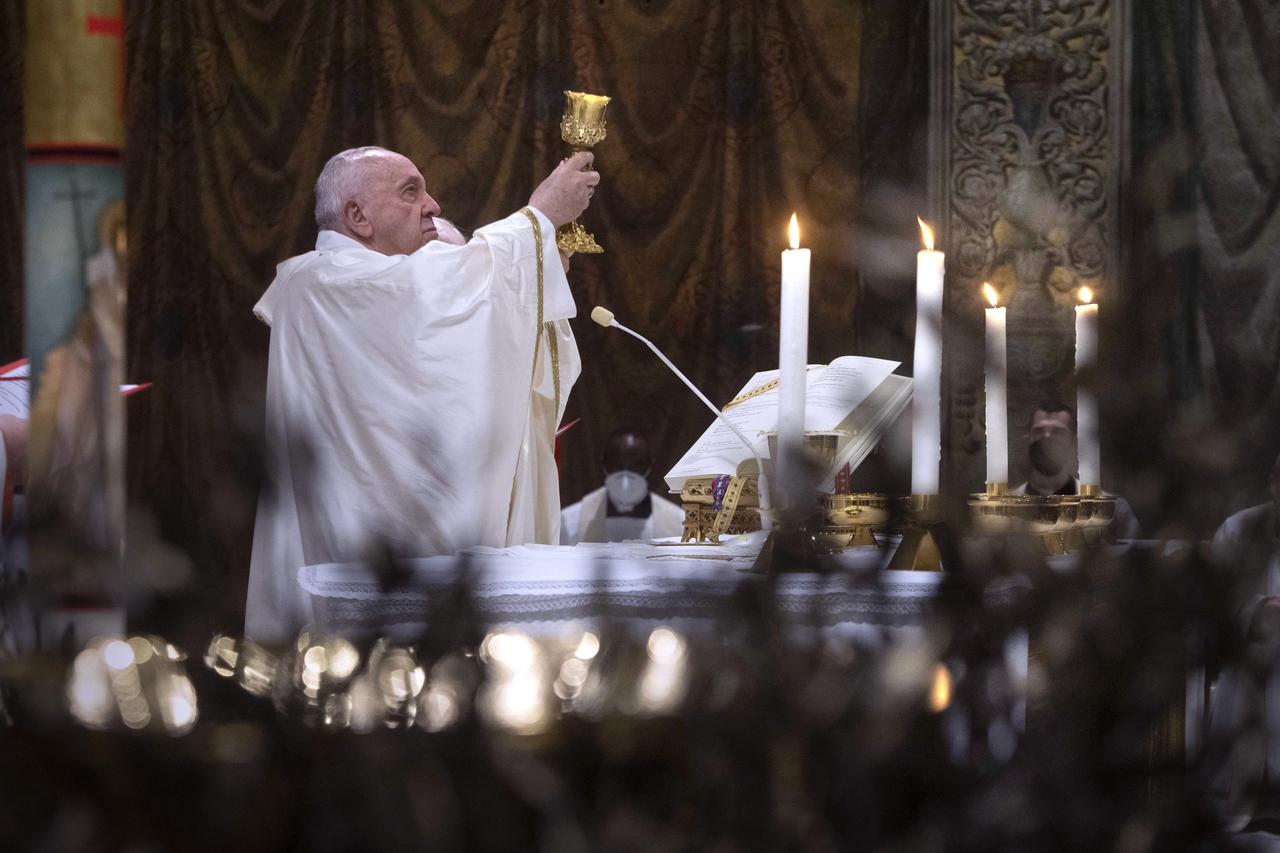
pixel 397 206
pixel 1051 441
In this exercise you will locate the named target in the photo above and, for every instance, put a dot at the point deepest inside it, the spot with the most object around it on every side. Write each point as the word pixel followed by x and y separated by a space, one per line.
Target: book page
pixel 833 392
pixel 718 450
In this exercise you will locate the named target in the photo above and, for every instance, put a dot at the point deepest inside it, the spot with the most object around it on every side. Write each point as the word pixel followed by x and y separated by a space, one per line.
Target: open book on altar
pixel 860 396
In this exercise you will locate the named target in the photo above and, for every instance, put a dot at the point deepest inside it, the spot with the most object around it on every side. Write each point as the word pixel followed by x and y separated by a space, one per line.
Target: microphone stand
pixel 604 317
pixel 790 546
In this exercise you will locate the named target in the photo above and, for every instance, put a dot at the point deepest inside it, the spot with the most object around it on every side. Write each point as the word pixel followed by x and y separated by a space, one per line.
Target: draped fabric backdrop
pixel 727 116
pixel 1237 134
pixel 13 161
pixel 1197 343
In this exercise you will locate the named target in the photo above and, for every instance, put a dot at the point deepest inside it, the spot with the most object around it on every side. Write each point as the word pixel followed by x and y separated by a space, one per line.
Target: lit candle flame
pixel 926 234
pixel 1086 296
pixel 794 231
pixel 940 689
pixel 990 292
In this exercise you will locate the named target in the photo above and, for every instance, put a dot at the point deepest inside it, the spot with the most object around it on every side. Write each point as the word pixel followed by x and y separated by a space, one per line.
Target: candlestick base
pixel 918 550
pixel 997 490
pixel 790 549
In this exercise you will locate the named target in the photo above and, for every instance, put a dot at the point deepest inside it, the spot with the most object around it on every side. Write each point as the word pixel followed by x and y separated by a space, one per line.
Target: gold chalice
pixel 582 126
pixel 819 453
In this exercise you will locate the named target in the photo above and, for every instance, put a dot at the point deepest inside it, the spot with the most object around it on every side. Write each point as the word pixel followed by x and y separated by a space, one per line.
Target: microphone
pixel 604 317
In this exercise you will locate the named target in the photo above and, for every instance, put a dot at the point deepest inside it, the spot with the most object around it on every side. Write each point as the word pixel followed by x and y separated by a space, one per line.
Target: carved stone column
pixel 1027 142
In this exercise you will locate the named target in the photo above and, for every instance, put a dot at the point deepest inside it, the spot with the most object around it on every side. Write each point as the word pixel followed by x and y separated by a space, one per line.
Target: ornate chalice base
pixel 574 238
pixel 581 126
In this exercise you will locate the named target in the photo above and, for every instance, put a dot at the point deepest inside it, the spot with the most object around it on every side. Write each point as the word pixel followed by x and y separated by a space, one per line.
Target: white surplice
pixel 405 407
pixel 588 520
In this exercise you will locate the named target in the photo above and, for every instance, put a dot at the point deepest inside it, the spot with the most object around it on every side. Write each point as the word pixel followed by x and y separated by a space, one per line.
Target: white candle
pixel 793 349
pixel 926 402
pixel 1088 446
pixel 997 391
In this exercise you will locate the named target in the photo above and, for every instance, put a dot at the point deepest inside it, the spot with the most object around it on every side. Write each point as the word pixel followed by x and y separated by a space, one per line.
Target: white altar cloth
pixel 532 586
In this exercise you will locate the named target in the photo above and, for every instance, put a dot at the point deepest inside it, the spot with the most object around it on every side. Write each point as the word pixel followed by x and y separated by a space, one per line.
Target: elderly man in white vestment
pixel 413 387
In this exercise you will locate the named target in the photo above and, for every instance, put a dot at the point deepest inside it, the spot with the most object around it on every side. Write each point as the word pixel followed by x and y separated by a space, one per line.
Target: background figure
pixel 1052 450
pixel 1246 698
pixel 77 447
pixel 623 508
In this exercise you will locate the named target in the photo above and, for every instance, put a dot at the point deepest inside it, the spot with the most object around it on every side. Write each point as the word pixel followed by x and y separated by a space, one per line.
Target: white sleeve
pixel 512 239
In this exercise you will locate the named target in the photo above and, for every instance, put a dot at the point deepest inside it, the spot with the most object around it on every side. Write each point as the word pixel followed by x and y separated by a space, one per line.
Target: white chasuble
pixel 412 402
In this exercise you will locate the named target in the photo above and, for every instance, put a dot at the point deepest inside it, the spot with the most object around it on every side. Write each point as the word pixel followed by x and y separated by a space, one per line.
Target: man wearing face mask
pixel 1052 452
pixel 1248 688
pixel 623 508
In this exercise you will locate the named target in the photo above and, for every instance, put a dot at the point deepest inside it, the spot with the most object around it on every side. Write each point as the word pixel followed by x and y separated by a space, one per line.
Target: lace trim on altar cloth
pixel 347 604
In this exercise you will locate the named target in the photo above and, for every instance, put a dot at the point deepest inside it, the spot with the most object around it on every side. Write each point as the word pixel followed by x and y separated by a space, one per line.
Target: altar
pixel 543 589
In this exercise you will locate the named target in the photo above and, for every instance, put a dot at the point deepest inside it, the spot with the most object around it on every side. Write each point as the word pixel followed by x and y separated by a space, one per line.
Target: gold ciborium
pixel 1004 514
pixel 582 126
pixel 851 520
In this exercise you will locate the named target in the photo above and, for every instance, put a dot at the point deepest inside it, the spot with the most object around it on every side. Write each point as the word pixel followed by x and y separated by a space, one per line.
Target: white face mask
pixel 625 489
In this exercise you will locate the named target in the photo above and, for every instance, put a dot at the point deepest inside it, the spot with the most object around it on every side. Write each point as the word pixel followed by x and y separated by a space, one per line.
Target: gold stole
pixel 553 345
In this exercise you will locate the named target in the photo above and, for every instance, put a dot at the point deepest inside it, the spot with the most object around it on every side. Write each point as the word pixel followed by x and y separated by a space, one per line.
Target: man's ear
pixel 357 223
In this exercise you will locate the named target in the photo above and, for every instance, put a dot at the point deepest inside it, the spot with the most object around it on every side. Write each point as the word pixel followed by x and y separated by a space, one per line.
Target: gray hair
pixel 340 180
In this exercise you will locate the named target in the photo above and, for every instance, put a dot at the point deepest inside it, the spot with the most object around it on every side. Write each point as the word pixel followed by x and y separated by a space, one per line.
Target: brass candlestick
pixel 582 126
pixel 791 545
pixel 918 549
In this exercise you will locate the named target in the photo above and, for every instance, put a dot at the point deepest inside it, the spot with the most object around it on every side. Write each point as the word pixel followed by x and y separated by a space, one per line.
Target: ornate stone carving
pixel 1028 129
pixel 1030 139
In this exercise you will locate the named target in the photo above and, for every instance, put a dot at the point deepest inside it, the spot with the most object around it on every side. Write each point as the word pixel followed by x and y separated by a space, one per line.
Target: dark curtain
pixel 727 116
pixel 1237 121
pixel 13 161
pixel 1197 393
